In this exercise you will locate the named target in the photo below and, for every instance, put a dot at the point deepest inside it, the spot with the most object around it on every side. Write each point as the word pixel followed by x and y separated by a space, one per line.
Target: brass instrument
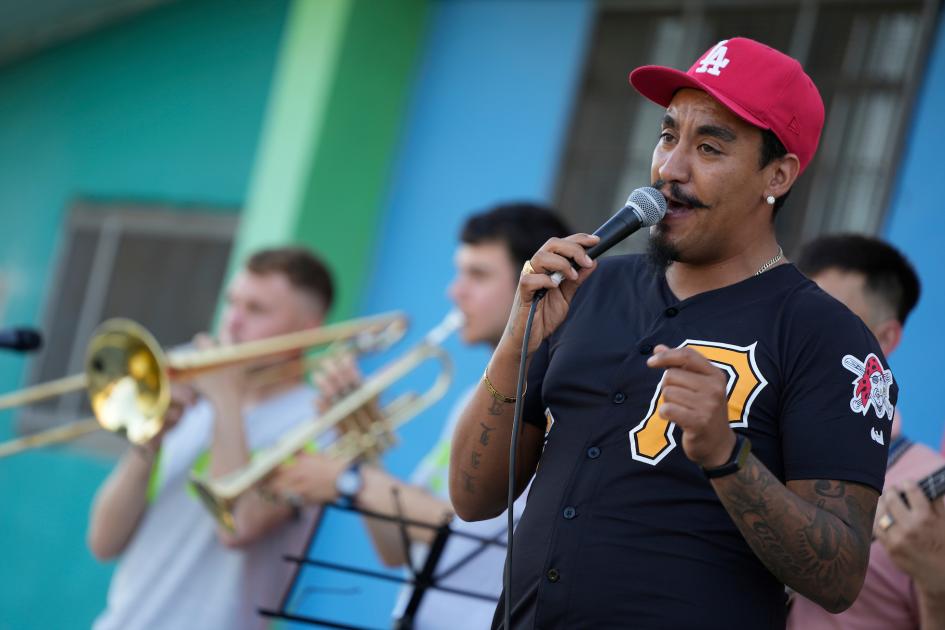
pixel 128 375
pixel 219 495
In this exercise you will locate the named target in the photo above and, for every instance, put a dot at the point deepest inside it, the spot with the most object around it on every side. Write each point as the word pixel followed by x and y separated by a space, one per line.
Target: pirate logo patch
pixel 871 385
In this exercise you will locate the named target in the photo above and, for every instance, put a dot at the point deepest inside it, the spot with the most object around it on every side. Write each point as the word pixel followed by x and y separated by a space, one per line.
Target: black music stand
pixel 422 580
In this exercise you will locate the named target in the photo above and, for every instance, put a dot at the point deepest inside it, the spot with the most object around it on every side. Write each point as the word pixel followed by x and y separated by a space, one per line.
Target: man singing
pixel 709 442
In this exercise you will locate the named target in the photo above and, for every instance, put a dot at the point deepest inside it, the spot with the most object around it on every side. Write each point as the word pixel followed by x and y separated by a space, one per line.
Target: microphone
pixel 645 207
pixel 21 339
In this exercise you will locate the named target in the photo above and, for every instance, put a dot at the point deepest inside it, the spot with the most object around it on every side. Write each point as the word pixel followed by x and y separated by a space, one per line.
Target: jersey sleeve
pixel 839 397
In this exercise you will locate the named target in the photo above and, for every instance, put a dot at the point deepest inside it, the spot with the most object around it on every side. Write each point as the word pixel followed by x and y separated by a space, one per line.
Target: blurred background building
pixel 147 145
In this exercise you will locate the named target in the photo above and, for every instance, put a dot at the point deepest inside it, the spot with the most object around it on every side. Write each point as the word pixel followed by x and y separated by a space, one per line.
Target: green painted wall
pixel 339 99
pixel 168 107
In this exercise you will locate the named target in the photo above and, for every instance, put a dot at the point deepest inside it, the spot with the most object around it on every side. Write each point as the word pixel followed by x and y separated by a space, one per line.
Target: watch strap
pixel 735 461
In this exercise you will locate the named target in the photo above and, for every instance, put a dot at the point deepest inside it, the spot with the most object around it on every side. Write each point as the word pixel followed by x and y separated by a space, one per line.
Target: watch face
pixel 348 483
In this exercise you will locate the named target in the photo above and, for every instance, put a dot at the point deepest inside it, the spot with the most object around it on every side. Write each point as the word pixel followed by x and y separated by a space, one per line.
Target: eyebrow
pixel 716 131
pixel 722 133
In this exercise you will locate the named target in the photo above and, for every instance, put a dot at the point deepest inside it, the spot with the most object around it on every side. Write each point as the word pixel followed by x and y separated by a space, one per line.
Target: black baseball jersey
pixel 621 529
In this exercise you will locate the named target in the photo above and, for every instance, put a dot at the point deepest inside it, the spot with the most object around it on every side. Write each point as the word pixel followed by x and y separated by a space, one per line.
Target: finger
pixel 530 283
pixel 895 506
pixel 572 248
pixel 693 381
pixel 332 382
pixel 348 372
pixel 918 504
pixel 938 508
pixel 672 412
pixel 547 262
pixel 682 396
pixel 684 358
pixel 568 289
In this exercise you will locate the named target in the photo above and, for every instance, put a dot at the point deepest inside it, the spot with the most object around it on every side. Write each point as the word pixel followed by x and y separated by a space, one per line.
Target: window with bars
pixel 162 267
pixel 865 57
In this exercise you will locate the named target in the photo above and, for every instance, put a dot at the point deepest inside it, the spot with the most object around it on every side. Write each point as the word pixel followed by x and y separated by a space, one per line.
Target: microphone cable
pixel 513 452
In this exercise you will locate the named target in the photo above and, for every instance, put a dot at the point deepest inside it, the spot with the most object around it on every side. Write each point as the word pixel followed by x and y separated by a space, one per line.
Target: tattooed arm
pixel 813 535
pixel 479 462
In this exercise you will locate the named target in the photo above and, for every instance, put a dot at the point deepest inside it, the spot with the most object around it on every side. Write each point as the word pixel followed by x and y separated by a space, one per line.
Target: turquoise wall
pixel 916 224
pixel 164 107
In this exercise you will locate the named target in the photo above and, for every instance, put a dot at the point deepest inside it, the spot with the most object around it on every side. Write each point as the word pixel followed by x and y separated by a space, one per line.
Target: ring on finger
pixel 527 268
pixel 885 521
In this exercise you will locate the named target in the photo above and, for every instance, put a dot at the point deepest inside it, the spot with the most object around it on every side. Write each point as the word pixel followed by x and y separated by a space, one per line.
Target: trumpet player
pixel 176 567
pixel 494 246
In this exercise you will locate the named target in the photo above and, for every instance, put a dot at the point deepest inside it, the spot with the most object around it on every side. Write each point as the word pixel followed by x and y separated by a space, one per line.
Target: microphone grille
pixel 649 204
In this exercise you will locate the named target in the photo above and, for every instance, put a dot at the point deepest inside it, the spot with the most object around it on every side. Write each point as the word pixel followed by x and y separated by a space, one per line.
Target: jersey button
pixel 593 452
pixel 553 575
pixel 646 349
pixel 619 397
pixel 569 512
pixel 672 311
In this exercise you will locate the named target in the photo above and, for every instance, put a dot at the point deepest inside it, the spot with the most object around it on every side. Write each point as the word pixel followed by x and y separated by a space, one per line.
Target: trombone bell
pixel 129 388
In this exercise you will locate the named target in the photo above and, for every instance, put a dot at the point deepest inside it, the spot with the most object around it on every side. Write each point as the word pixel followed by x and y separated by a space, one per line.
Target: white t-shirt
pixel 175 574
pixel 468 564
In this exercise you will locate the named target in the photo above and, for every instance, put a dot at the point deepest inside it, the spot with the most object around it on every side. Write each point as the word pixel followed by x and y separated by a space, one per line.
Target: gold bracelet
pixel 494 392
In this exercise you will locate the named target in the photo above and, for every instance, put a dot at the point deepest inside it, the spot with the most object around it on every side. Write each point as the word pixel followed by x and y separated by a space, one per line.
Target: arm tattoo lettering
pixel 815 540
pixel 484 438
pixel 475 459
pixel 468 482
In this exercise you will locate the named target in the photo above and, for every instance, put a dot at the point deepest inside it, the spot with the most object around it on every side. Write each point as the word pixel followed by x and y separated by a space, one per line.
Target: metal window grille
pixel 865 57
pixel 157 265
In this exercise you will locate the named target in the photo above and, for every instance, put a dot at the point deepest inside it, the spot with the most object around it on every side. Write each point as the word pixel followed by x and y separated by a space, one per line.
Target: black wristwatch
pixel 735 461
pixel 349 483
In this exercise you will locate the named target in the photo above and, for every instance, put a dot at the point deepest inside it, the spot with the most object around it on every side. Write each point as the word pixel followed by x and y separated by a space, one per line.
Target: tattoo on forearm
pixel 475 459
pixel 468 482
pixel 817 550
pixel 484 438
pixel 495 409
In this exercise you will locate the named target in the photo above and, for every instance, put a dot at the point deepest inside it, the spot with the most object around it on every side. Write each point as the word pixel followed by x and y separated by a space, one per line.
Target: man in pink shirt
pixel 905 582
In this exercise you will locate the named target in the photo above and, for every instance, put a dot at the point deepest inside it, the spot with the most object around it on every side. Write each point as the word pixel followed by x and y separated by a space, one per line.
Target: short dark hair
pixel 771 149
pixel 522 227
pixel 305 271
pixel 888 274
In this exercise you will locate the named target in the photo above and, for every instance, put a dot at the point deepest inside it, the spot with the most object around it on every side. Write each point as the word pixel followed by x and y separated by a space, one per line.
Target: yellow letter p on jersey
pixel 652 439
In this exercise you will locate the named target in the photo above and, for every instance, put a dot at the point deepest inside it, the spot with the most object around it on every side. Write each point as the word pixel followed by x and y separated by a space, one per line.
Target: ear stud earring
pixel 770 199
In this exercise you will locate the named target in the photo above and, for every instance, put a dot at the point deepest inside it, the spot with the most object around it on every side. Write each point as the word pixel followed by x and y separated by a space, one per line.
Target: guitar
pixel 933 486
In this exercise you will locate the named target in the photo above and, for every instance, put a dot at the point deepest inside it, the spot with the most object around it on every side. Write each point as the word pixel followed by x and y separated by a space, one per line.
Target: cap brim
pixel 660 84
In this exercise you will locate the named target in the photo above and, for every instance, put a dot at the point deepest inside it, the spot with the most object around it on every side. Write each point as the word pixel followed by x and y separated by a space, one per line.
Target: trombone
pixel 219 495
pixel 127 374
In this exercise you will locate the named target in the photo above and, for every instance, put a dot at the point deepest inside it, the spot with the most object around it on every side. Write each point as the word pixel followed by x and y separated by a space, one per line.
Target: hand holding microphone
pixel 561 265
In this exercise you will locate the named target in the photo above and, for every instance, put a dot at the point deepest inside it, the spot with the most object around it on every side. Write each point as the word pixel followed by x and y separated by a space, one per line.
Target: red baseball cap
pixel 760 85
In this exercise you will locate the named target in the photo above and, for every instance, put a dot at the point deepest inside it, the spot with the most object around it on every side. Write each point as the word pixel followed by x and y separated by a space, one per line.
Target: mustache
pixel 677 193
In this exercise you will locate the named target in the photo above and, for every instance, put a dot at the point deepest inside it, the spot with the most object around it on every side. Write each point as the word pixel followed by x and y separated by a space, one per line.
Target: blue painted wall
pixel 487 123
pixel 916 224
pixel 164 107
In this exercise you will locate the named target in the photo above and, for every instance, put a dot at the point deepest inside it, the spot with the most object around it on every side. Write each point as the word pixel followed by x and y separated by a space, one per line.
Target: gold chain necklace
pixel 768 264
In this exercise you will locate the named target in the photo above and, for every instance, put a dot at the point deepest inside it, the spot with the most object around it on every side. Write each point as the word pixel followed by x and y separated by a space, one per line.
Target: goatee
pixel 660 252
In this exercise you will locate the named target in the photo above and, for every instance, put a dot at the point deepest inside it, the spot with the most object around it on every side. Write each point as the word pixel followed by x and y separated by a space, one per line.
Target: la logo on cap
pixel 714 60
